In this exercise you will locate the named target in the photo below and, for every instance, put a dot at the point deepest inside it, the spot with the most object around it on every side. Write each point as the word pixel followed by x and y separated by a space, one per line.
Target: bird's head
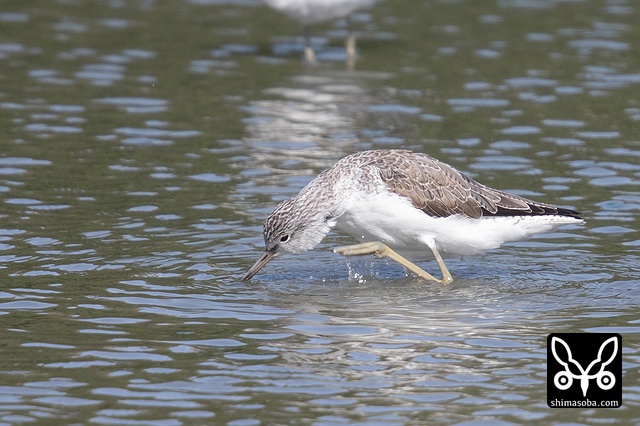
pixel 291 228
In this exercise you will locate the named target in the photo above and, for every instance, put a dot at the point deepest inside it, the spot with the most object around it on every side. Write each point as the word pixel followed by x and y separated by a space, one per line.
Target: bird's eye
pixel 284 238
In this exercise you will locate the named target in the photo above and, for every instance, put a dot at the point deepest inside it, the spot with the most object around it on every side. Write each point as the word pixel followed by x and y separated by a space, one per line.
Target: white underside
pixel 394 221
pixel 310 11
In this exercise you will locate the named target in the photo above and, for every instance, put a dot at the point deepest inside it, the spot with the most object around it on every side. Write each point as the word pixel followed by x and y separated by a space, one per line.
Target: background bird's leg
pixel 351 41
pixel 309 55
pixel 379 249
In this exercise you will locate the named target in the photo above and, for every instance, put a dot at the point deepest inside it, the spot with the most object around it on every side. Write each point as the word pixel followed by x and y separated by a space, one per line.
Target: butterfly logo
pixel 573 370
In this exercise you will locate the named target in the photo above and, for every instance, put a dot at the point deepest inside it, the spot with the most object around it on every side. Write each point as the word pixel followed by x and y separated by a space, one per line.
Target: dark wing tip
pixel 534 209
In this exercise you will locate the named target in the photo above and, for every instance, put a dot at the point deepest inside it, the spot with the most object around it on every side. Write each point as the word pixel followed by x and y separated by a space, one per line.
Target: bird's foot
pixel 382 250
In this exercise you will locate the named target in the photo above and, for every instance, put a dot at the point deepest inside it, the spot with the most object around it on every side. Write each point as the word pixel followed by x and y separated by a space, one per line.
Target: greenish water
pixel 142 144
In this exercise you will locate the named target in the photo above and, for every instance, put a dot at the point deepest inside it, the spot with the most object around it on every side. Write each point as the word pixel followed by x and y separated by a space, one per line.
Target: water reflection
pixel 310 124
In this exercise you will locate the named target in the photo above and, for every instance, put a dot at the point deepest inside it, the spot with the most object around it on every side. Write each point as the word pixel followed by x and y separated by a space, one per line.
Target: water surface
pixel 143 143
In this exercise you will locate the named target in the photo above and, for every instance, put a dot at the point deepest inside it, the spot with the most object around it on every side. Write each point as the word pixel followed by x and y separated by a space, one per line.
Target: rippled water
pixel 143 143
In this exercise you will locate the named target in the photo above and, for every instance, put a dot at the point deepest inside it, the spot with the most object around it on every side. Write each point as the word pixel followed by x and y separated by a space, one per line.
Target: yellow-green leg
pixel 382 250
pixel 351 41
pixel 309 54
pixel 350 46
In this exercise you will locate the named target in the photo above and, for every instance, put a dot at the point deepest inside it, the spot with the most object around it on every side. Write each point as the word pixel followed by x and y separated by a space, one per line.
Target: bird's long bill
pixel 264 259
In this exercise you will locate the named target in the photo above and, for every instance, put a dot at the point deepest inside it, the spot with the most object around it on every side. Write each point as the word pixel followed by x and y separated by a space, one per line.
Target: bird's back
pixel 407 199
pixel 440 190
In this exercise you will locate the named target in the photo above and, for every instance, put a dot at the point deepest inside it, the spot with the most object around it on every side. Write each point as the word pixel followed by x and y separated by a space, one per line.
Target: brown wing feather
pixel 440 190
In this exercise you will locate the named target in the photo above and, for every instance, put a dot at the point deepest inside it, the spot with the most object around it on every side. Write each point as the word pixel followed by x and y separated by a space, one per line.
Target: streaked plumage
pixel 406 201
